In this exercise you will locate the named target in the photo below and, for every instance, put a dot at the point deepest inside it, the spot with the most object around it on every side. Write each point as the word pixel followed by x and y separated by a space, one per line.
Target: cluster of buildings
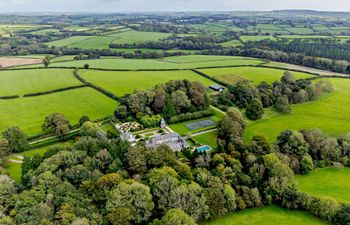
pixel 172 139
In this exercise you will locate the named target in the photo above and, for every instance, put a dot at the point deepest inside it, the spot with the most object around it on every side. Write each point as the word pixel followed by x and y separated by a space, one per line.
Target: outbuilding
pixel 216 87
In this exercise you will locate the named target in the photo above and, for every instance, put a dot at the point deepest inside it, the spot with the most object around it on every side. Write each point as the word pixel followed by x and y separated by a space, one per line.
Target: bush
pixel 255 110
pixel 282 105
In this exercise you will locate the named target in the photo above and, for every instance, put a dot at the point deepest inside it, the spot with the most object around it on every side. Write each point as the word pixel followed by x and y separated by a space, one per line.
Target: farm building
pixel 173 140
pixel 216 88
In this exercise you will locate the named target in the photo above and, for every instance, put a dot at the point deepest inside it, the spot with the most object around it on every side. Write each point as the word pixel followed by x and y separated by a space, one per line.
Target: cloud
pixel 168 5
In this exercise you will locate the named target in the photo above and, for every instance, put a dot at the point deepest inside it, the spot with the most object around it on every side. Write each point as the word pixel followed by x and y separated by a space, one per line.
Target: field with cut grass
pixel 178 62
pixel 327 183
pixel 269 215
pixel 20 82
pixel 121 83
pixel 254 74
pixel 29 113
pixel 18 61
pixel 232 43
pixel 330 113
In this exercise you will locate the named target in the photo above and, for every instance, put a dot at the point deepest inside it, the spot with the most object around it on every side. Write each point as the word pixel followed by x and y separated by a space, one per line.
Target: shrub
pixel 255 110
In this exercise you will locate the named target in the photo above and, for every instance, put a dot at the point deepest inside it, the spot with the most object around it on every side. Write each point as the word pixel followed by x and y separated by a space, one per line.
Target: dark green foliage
pixel 282 105
pixel 255 110
pixel 17 139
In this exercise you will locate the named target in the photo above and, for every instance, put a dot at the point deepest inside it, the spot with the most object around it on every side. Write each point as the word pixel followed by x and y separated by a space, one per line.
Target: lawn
pixel 131 37
pixel 19 82
pixel 121 83
pixel 327 183
pixel 254 74
pixel 178 62
pixel 257 38
pixel 209 138
pixel 183 130
pixel 14 170
pixel 29 113
pixel 269 215
pixel 330 113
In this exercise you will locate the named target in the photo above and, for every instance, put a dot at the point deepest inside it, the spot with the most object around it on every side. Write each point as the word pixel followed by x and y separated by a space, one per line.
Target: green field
pixel 269 215
pixel 67 41
pixel 19 82
pixel 327 183
pixel 209 138
pixel 121 83
pixel 330 113
pixel 300 30
pixel 29 113
pixel 254 74
pixel 304 37
pixel 257 38
pixel 131 37
pixel 183 130
pixel 178 62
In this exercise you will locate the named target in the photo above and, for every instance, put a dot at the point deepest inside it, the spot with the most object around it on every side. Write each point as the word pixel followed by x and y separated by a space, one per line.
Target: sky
pixel 168 5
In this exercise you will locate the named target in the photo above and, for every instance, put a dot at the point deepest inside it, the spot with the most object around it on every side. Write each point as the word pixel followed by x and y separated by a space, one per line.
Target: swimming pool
pixel 203 148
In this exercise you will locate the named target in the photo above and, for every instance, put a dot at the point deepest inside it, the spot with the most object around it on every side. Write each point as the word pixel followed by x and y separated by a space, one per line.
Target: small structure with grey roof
pixel 173 140
pixel 216 87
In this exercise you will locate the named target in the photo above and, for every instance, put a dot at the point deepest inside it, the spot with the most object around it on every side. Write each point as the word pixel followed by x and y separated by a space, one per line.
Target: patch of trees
pixel 340 66
pixel 176 42
pixel 161 27
pixel 280 94
pixel 175 100
pixel 324 48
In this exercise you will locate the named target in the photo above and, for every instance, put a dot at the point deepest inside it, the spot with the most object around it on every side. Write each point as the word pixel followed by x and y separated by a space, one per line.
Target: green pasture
pixel 178 62
pixel 183 130
pixel 121 83
pixel 131 37
pixel 209 138
pixel 304 36
pixel 327 183
pixel 254 74
pixel 300 30
pixel 97 42
pixel 68 41
pixel 29 113
pixel 269 215
pixel 330 113
pixel 257 38
pixel 19 82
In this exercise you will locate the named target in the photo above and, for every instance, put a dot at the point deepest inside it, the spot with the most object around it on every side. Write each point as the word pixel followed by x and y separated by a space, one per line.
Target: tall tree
pixel 17 139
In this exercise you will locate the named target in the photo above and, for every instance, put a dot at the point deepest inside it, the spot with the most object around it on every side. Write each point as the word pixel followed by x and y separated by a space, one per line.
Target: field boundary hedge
pixel 97 88
pixel 54 91
pixel 9 97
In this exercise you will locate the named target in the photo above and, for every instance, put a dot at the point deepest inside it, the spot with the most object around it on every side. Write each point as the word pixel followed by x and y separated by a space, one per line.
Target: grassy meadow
pixel 327 183
pixel 177 62
pixel 121 83
pixel 330 113
pixel 254 74
pixel 29 113
pixel 269 215
pixel 19 82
